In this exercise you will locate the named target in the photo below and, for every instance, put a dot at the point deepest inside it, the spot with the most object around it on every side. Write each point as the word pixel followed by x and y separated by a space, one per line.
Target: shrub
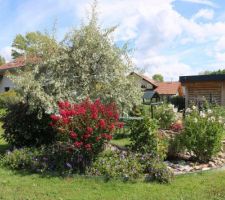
pixel 117 164
pixel 144 137
pixel 86 127
pixel 25 158
pixel 158 171
pixel 166 115
pixel 52 158
pixel 8 98
pixel 178 102
pixel 3 112
pixel 202 134
pixel 24 127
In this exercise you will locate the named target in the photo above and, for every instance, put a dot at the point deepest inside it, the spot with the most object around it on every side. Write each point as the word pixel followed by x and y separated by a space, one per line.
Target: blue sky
pixel 171 37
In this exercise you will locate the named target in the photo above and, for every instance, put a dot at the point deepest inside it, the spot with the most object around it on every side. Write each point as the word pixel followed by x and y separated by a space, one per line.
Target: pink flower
pixel 89 130
pixel 88 146
pixel 120 124
pixel 111 127
pixel 102 123
pixel 66 120
pixel 73 135
pixel 78 144
pixel 86 136
pixel 55 117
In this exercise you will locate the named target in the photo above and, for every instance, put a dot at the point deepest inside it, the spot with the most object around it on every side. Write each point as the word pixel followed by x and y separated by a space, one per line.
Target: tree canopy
pixel 220 71
pixel 158 77
pixel 87 63
pixel 33 43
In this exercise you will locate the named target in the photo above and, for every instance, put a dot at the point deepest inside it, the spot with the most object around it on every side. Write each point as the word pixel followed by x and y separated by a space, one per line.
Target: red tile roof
pixel 168 88
pixel 151 81
pixel 19 62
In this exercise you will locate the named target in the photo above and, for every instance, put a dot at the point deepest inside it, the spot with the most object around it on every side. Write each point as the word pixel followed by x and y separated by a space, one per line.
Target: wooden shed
pixel 204 87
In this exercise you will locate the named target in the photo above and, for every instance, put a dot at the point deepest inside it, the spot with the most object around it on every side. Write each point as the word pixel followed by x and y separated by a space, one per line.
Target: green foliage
pixel 115 164
pixel 25 158
pixel 158 171
pixel 35 44
pixel 2 60
pixel 25 128
pixel 178 102
pixel 220 71
pixel 145 139
pixel 43 159
pixel 158 77
pixel 166 115
pixel 87 63
pixel 202 134
pixel 8 98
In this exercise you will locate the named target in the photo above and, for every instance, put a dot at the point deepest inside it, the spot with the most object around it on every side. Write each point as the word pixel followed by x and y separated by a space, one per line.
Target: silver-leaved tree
pixel 87 63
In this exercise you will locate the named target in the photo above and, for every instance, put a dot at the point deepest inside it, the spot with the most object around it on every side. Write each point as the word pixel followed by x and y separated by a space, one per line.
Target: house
pixel 148 87
pixel 166 90
pixel 204 87
pixel 5 83
pixel 158 91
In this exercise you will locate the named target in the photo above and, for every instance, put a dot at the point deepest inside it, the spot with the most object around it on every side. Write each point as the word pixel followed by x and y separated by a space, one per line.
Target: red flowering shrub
pixel 86 126
pixel 176 127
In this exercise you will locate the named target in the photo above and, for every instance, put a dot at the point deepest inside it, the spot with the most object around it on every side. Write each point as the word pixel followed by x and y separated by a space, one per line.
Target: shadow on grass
pixel 3 148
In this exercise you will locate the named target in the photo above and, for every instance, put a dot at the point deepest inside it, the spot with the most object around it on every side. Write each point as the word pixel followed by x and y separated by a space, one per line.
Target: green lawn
pixel 206 186
pixel 120 142
pixel 23 186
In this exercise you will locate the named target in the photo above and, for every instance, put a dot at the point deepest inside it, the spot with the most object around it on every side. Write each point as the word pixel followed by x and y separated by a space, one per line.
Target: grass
pixel 121 142
pixel 19 186
pixel 23 186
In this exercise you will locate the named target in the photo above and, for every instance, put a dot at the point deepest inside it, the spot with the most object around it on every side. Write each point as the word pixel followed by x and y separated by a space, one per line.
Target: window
pixel 7 89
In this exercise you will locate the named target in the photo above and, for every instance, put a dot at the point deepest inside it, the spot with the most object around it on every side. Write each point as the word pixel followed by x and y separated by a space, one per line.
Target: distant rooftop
pixel 19 62
pixel 214 77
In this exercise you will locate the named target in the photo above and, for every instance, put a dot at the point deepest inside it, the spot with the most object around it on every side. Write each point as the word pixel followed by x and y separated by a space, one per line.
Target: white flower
pixel 202 114
pixel 175 110
pixel 220 119
pixel 209 111
pixel 212 119
pixel 188 110
pixel 171 106
pixel 194 107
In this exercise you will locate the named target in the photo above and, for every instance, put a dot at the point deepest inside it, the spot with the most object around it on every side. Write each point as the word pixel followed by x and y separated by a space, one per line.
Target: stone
pixel 205 168
pixel 211 164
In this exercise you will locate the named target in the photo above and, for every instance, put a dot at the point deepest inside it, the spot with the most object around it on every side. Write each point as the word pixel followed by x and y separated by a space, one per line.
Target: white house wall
pixel 4 83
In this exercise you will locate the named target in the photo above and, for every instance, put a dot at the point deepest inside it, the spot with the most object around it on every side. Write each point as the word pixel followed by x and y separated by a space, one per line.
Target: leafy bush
pixel 202 134
pixel 8 98
pixel 86 126
pixel 3 112
pixel 158 171
pixel 166 115
pixel 24 127
pixel 178 102
pixel 25 158
pixel 117 164
pixel 52 158
pixel 144 137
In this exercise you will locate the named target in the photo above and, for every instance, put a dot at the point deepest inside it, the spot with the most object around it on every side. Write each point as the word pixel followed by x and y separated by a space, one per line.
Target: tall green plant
pixel 202 134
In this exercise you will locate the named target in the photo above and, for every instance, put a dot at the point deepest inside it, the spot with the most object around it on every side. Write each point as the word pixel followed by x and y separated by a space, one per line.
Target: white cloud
pixel 6 53
pixel 204 14
pixel 154 26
